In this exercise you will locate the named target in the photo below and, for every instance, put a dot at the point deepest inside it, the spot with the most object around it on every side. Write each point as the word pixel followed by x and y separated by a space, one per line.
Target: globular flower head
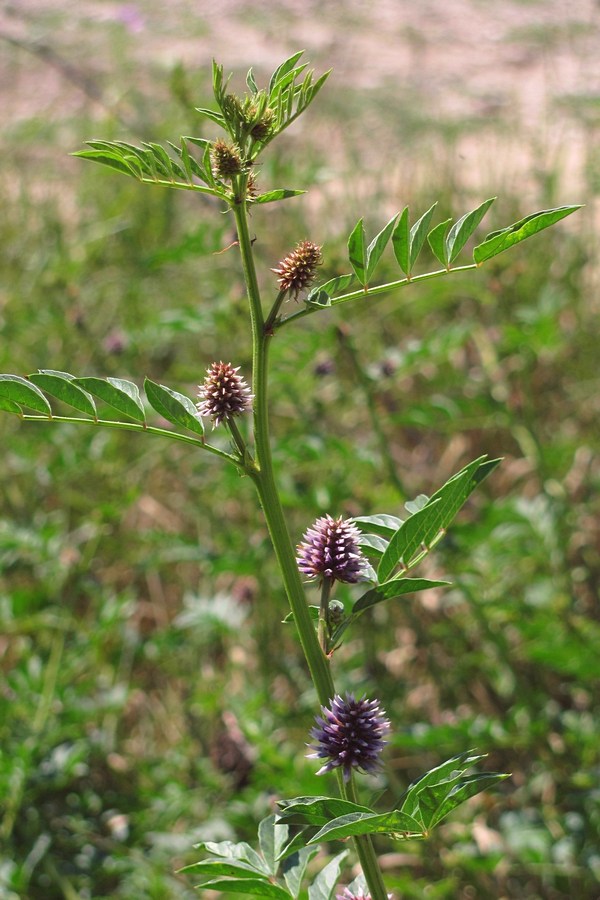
pixel 297 269
pixel 350 735
pixel 330 549
pixel 226 160
pixel 224 393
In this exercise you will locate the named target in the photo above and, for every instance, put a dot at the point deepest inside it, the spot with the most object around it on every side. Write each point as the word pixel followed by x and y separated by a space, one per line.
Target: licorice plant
pixel 374 553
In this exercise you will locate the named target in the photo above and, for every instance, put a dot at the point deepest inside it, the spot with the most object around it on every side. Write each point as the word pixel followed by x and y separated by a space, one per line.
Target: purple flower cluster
pixel 224 393
pixel 350 734
pixel 330 549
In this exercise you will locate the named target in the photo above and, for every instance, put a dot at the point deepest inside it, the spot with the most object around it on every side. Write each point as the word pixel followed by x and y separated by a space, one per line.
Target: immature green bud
pixel 226 160
pixel 262 128
pixel 297 269
pixel 336 612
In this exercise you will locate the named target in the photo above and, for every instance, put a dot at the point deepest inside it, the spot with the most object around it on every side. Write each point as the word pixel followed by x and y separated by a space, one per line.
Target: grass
pixel 150 696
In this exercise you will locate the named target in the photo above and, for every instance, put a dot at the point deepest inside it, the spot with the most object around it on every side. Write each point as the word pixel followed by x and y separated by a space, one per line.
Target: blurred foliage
pixel 150 697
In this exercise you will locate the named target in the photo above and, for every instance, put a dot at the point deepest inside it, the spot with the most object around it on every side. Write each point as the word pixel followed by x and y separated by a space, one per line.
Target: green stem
pixel 264 479
pixel 324 631
pixel 134 426
pixel 238 440
pixel 272 317
pixel 366 854
pixel 373 291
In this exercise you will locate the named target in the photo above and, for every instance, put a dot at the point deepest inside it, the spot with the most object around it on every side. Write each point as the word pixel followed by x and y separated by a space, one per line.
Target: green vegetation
pixel 150 695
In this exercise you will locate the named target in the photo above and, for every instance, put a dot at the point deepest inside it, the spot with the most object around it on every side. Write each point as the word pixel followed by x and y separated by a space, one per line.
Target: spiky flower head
pixel 330 549
pixel 224 393
pixel 297 269
pixel 350 734
pixel 226 160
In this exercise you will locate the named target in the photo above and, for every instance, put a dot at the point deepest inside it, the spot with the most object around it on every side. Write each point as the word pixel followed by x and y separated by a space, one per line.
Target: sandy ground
pixel 517 63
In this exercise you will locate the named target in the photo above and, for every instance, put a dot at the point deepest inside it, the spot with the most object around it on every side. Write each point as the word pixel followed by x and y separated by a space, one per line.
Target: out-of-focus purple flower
pixel 350 735
pixel 130 16
pixel 330 548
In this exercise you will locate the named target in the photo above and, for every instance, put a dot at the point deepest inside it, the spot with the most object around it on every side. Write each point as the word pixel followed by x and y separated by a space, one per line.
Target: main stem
pixel 263 476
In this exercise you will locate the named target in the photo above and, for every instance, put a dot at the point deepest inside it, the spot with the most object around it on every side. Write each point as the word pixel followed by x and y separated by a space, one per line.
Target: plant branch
pixel 146 429
pixel 264 479
pixel 371 292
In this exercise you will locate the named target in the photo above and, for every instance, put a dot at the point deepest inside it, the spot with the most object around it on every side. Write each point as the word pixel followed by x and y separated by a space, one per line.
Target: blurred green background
pixel 149 696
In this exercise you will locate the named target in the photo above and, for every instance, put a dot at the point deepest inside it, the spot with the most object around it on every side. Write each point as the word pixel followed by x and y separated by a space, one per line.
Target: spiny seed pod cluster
pixel 224 393
pixel 297 269
pixel 226 160
pixel 350 735
pixel 330 549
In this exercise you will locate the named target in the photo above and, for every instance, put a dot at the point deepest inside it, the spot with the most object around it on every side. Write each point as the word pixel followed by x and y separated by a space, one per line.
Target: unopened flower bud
pixel 262 128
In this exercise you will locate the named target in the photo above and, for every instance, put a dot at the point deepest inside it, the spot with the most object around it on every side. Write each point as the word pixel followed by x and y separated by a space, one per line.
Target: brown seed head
pixel 226 160
pixel 297 269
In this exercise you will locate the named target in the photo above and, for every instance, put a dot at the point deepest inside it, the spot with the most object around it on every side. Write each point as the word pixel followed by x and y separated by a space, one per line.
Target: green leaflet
pixel 498 241
pixel 17 391
pixel 121 395
pixel 173 406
